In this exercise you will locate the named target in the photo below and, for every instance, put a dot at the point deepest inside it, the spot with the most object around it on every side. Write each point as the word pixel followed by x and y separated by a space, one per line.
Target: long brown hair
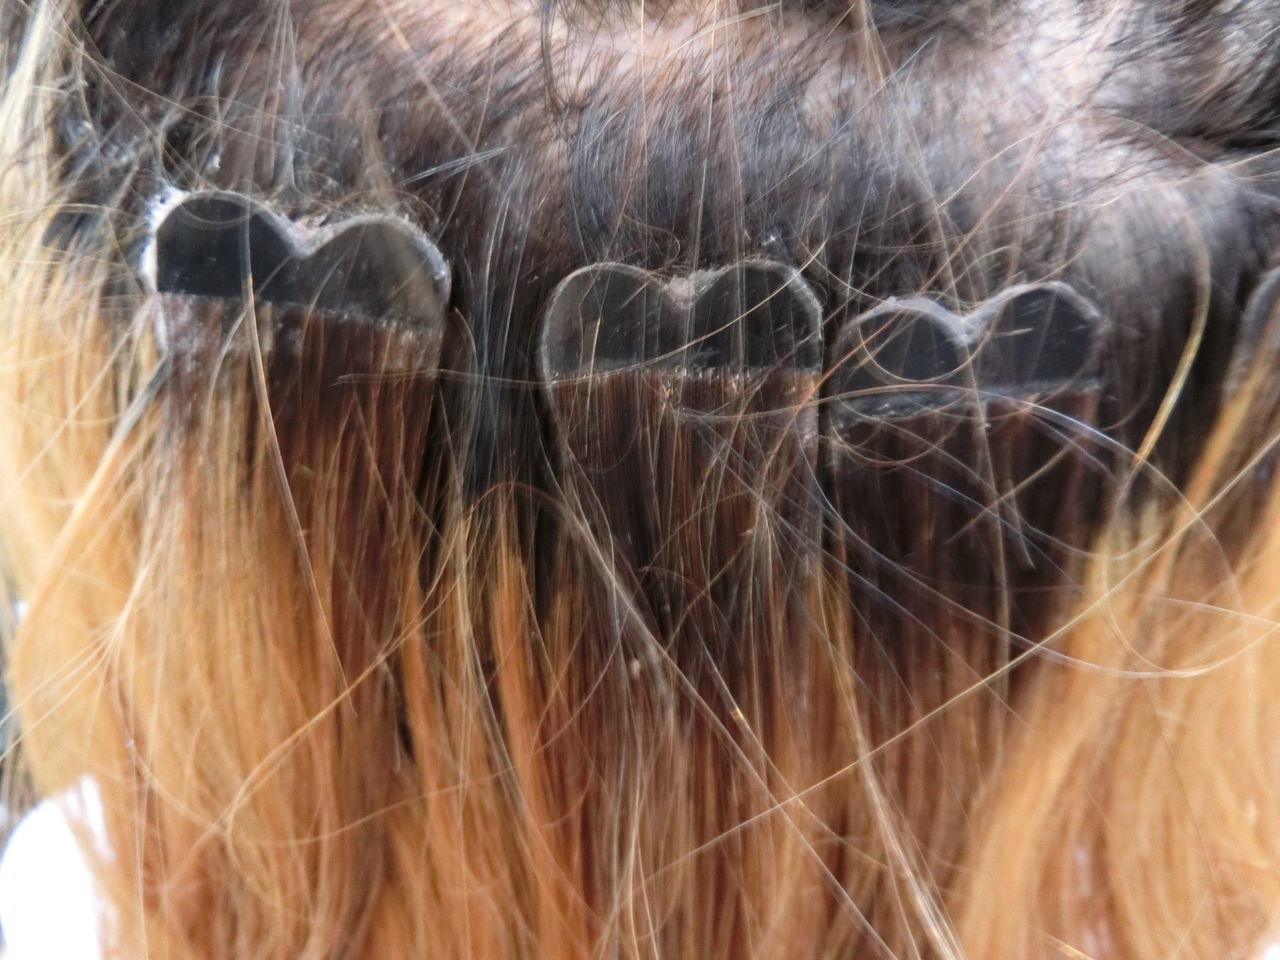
pixel 659 588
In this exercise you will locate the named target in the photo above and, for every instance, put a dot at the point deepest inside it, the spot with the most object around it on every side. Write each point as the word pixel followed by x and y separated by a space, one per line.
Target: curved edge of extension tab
pixel 915 355
pixel 751 315
pixel 226 245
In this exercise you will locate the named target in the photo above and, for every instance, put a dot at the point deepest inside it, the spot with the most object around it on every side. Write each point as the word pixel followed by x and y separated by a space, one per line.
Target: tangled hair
pixel 649 587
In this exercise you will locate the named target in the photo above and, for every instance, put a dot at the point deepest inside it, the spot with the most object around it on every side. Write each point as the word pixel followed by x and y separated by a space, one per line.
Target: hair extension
pixel 778 481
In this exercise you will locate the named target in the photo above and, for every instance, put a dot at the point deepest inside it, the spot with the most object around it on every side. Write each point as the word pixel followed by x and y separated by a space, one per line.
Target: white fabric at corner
pixel 49 908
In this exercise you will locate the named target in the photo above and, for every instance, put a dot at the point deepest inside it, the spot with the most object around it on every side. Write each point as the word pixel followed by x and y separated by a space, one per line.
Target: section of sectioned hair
pixel 979 428
pixel 299 377
pixel 688 416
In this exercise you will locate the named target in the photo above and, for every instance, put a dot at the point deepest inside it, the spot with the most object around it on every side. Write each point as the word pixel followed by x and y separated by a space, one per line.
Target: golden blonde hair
pixel 352 687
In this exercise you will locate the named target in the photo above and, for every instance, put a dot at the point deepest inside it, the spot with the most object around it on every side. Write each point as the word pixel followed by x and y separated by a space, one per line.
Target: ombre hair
pixel 654 590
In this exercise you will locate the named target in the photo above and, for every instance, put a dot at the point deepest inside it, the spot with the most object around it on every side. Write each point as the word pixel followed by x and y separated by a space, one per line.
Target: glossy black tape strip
pixel 753 315
pixel 223 245
pixel 912 355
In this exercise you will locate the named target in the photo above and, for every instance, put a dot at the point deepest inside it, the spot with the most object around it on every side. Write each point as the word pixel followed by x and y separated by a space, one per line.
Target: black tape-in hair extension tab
pixel 348 315
pixel 963 462
pixel 226 245
pixel 341 359
pixel 911 355
pixel 687 418
pixel 754 315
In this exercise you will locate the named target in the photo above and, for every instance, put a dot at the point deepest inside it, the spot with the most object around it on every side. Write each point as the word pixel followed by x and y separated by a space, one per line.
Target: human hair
pixel 593 479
